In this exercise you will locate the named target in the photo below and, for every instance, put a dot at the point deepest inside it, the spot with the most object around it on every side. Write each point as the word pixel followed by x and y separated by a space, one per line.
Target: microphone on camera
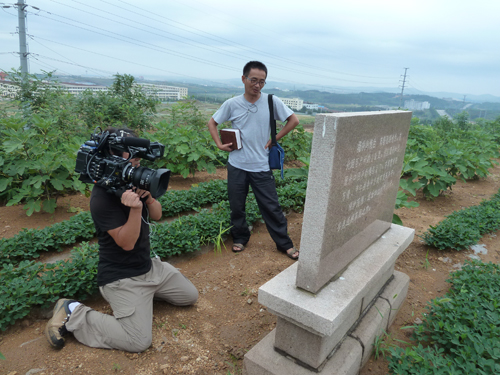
pixel 136 142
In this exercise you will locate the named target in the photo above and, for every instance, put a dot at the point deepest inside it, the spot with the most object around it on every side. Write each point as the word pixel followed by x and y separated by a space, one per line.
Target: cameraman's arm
pixel 127 235
pixel 154 207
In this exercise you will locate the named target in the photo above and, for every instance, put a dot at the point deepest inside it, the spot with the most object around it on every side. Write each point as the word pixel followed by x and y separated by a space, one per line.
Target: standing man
pixel 126 275
pixel 249 166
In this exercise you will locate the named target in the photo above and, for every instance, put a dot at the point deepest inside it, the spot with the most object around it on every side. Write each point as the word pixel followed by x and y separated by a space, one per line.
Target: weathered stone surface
pixel 356 163
pixel 343 298
pixel 343 291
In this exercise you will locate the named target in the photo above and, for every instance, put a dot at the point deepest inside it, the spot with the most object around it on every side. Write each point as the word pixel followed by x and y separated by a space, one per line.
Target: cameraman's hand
pixel 142 193
pixel 154 207
pixel 131 199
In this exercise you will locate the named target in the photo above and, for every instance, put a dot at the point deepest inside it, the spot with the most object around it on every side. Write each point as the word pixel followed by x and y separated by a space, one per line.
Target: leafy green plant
pixel 382 344
pixel 125 104
pixel 437 156
pixel 30 283
pixel 426 264
pixel 465 227
pixel 188 144
pixel 36 167
pixel 38 147
pixel 28 243
pixel 384 341
pixel 459 333
pixel 299 173
pixel 218 241
pixel 297 144
pixel 36 92
pixel 177 201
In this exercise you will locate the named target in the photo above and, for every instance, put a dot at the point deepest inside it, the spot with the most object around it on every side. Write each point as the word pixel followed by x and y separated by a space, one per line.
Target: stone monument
pixel 343 291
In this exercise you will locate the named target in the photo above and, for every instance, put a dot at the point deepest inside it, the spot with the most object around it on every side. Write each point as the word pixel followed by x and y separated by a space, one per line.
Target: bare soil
pixel 212 336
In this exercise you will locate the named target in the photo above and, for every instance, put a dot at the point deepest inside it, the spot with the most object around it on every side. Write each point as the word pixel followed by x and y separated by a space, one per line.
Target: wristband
pixel 148 203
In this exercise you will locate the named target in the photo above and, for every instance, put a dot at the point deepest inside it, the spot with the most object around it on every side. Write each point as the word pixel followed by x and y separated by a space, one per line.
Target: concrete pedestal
pixel 334 329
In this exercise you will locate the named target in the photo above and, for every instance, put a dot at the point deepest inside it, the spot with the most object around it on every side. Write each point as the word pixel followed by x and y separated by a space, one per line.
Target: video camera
pixel 97 164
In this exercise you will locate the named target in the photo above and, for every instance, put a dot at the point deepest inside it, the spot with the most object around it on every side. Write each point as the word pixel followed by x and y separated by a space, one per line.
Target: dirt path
pixel 212 336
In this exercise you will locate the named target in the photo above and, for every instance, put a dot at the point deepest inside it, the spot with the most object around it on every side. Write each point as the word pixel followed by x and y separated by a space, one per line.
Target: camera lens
pixel 154 181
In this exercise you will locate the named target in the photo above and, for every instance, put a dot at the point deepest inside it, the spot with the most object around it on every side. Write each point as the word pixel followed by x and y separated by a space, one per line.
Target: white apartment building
pixel 311 106
pixel 8 89
pixel 78 88
pixel 162 92
pixel 295 103
pixel 416 106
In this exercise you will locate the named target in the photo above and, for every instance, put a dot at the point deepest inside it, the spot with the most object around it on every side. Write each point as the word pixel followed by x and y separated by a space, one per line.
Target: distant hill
pixel 366 97
pixel 354 90
pixel 235 83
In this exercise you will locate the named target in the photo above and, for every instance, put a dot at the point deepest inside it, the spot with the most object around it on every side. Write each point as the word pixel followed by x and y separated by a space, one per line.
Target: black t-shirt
pixel 115 263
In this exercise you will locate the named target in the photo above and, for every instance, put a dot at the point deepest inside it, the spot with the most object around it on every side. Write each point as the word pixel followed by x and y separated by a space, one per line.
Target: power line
pixel 134 41
pixel 37 41
pixel 165 50
pixel 116 58
pixel 197 45
pixel 256 50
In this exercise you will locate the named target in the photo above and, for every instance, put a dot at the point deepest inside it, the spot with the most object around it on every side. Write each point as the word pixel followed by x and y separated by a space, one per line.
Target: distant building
pixel 78 88
pixel 295 103
pixel 162 92
pixel 8 89
pixel 311 106
pixel 416 106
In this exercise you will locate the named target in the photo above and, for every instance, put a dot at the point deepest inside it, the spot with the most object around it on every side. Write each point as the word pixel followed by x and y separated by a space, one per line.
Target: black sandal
pixel 290 255
pixel 240 246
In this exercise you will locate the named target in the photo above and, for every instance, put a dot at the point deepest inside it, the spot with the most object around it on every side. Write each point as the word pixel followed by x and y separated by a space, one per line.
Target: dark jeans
pixel 264 189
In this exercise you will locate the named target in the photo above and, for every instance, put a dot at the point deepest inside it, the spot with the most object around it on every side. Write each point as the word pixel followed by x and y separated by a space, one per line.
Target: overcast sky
pixel 447 45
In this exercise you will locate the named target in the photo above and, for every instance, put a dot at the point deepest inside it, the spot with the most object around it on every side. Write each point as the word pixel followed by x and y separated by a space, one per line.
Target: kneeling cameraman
pixel 127 276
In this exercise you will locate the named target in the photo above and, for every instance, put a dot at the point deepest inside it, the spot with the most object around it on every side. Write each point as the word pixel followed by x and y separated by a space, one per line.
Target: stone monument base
pixel 333 331
pixel 349 357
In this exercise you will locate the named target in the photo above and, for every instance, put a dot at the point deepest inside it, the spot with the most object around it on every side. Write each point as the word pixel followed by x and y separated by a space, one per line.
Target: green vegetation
pixel 124 105
pixel 40 140
pixel 465 227
pixel 37 156
pixel 25 283
pixel 459 333
pixel 188 144
pixel 436 157
pixel 37 163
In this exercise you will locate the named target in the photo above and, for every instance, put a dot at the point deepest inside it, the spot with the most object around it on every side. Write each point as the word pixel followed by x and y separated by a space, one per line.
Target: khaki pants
pixel 131 299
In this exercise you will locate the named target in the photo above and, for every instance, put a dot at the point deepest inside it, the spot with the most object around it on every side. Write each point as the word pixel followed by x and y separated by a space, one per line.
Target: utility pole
pixel 403 89
pixel 23 47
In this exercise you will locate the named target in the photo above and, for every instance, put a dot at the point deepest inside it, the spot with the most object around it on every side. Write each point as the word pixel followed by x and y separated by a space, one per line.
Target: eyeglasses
pixel 254 81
